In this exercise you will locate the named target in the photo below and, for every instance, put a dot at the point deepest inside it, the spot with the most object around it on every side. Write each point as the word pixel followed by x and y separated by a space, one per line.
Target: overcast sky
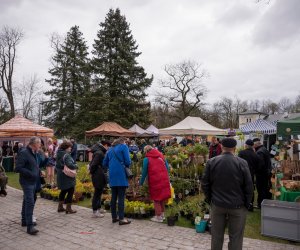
pixel 250 49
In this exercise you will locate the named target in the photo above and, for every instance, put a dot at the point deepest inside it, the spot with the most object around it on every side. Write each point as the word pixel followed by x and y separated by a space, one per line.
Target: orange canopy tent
pixel 22 127
pixel 110 129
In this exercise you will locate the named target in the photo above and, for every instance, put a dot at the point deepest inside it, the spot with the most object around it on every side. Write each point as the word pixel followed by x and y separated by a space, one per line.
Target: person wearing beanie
pixel 263 174
pixel 228 187
pixel 252 159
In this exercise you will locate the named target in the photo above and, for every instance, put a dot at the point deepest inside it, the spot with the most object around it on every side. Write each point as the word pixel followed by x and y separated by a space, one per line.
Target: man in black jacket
pixel 28 166
pixel 263 174
pixel 252 159
pixel 227 185
pixel 98 176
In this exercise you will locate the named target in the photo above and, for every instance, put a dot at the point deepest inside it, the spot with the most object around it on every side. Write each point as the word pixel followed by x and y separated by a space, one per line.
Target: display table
pixel 288 195
pixel 8 163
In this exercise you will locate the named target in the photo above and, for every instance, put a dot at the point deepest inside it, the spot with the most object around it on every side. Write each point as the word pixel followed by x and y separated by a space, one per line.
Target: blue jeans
pixel 28 203
pixel 117 193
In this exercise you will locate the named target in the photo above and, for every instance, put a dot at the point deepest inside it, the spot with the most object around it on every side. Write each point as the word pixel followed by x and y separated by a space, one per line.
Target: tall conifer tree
pixel 70 79
pixel 119 83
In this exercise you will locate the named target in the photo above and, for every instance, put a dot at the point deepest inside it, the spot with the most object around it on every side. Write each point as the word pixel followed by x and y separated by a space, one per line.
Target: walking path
pixel 75 231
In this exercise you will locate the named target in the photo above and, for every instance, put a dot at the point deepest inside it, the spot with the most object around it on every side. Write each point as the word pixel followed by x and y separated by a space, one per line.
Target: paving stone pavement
pixel 75 231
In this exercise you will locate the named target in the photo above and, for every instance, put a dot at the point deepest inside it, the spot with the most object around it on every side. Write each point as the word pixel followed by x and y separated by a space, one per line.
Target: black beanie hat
pixel 249 142
pixel 228 142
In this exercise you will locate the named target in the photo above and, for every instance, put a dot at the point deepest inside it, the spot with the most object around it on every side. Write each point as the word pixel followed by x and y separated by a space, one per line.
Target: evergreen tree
pixel 70 79
pixel 119 83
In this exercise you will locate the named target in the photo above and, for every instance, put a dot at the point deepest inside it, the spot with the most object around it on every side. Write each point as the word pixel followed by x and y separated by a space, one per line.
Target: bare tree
pixel 9 40
pixel 29 93
pixel 185 92
pixel 285 105
pixel 269 107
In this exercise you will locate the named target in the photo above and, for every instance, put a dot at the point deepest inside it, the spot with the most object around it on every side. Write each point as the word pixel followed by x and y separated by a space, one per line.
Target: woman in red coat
pixel 156 168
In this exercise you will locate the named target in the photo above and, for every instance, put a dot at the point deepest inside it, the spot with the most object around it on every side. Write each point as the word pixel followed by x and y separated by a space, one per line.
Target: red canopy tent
pixel 110 129
pixel 21 129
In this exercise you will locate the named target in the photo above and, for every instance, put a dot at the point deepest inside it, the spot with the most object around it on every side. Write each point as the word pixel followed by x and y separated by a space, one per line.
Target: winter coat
pixel 96 170
pixel 63 181
pixel 158 178
pixel 28 166
pixel 265 166
pixel 215 150
pixel 252 159
pixel 117 176
pixel 227 181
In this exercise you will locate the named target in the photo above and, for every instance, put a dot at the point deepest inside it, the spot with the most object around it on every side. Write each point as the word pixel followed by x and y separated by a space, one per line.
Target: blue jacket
pixel 117 176
pixel 27 165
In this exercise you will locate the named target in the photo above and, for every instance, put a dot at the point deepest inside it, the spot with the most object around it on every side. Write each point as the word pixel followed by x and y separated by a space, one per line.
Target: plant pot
pixel 171 221
pixel 81 198
pixel 88 195
pixel 107 206
pixel 200 228
pixel 176 216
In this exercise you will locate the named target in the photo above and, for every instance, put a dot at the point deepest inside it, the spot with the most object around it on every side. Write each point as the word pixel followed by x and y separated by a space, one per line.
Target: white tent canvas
pixel 139 132
pixel 192 126
pixel 153 129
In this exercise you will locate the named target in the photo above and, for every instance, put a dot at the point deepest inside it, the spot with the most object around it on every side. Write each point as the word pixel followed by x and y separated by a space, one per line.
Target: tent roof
pixel 259 125
pixel 111 129
pixel 139 132
pixel 152 129
pixel 192 126
pixel 22 127
pixel 291 121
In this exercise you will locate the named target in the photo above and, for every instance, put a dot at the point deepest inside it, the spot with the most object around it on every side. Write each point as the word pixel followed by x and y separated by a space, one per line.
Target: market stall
pixel 110 129
pixel 140 132
pixel 192 126
pixel 20 129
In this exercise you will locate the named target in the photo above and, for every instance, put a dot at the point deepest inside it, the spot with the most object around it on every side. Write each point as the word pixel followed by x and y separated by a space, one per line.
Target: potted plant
pixel 106 204
pixel 171 213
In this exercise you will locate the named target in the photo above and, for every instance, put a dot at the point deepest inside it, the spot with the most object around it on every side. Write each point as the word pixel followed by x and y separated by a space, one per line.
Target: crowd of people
pixel 228 181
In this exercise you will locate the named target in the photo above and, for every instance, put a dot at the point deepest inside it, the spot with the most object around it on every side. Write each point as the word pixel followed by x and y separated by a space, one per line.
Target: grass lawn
pixel 252 229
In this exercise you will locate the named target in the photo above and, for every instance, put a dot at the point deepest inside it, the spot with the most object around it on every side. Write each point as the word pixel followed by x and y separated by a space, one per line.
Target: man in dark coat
pixel 98 176
pixel 252 159
pixel 263 174
pixel 227 185
pixel 215 148
pixel 28 166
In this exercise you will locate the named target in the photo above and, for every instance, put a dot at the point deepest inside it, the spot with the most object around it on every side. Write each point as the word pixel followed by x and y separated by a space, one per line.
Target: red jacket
pixel 215 150
pixel 158 177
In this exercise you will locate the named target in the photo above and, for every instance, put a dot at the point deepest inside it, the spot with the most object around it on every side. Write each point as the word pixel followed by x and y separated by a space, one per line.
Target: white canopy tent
pixel 192 126
pixel 139 132
pixel 153 129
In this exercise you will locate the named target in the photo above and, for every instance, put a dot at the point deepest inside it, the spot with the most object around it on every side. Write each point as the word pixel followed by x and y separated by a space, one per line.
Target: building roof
pixel 252 112
pixel 22 127
pixel 274 118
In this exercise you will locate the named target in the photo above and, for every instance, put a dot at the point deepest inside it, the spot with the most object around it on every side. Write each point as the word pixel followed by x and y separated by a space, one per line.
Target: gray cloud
pixel 222 35
pixel 280 25
pixel 5 4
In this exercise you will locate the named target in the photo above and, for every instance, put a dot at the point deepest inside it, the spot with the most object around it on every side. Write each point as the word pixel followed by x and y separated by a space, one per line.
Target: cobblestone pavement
pixel 74 231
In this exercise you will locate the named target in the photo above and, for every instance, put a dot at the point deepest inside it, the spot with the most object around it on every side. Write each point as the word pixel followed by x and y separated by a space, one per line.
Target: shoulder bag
pixel 67 171
pixel 128 171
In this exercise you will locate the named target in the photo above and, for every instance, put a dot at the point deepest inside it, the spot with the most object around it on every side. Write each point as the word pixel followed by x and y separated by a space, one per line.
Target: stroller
pixel 3 182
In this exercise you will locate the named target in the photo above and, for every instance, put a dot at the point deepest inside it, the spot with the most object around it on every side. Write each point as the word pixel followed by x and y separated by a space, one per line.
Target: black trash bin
pixel 8 163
